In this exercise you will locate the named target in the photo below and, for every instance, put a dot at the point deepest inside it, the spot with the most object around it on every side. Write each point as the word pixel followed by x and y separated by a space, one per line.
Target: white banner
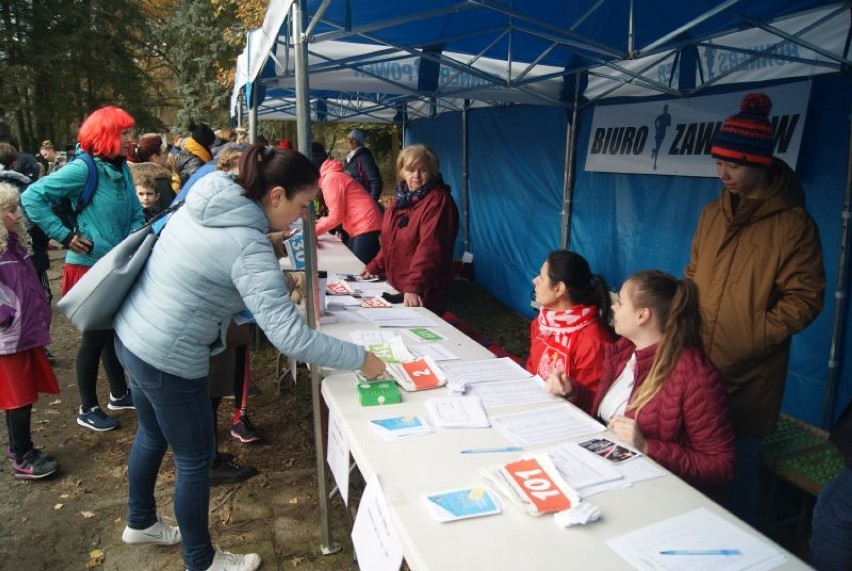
pixel 673 137
pixel 733 58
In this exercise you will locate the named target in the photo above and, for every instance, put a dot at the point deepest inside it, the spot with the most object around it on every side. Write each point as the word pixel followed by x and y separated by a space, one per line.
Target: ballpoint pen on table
pixel 499 449
pixel 701 552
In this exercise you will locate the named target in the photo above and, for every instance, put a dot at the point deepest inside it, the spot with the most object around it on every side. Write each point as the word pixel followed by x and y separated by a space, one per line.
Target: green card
pixel 426 334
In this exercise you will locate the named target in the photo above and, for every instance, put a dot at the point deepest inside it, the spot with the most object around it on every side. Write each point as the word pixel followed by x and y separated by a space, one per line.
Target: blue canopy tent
pixel 520 153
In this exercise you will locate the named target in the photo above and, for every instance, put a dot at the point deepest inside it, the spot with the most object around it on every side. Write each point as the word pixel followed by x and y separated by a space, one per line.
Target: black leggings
pixel 18 425
pixel 98 346
pixel 239 380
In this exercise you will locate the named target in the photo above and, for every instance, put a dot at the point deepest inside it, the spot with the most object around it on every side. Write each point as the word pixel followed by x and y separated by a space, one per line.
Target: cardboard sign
pixel 296 250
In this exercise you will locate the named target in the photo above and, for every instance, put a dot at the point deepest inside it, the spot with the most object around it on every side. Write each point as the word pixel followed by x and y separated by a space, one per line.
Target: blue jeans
pixel 171 412
pixel 831 542
pixel 745 488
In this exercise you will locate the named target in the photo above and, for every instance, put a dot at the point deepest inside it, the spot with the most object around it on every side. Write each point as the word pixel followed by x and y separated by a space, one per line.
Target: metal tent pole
pixel 568 180
pixel 252 112
pixel 465 178
pixel 839 295
pixel 303 137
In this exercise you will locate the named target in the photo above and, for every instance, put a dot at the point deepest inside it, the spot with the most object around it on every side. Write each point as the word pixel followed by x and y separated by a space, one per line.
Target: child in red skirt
pixel 24 331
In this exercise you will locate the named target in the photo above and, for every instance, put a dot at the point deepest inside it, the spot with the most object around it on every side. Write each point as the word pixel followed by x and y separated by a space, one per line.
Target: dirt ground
pixel 57 524
pixel 74 519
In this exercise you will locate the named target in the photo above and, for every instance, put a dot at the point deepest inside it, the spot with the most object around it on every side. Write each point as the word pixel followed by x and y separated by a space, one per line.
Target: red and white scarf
pixel 577 317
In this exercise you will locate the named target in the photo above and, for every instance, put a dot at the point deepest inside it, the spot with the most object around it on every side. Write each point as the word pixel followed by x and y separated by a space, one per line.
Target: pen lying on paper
pixel 701 552
pixel 483 450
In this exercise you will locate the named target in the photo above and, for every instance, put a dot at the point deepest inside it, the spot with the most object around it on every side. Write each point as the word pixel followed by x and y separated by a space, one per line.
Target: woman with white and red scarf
pixel 572 327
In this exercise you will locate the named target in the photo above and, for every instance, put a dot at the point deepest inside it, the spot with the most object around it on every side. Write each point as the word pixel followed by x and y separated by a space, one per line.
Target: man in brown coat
pixel 757 260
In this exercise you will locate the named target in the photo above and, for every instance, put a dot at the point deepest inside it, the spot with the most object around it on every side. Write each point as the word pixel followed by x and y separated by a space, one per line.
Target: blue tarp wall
pixel 624 223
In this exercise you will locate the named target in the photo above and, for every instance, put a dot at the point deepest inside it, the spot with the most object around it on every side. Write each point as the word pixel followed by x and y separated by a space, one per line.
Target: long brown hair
pixel 262 168
pixel 675 303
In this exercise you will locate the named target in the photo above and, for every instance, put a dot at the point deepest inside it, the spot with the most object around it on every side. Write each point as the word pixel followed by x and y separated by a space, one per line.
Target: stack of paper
pixel 515 392
pixel 463 374
pixel 434 350
pixel 363 288
pixel 339 301
pixel 417 375
pixel 546 425
pixel 397 427
pixel 398 317
pixel 457 412
pixel 391 351
pixel 367 337
pixel 584 471
pixel 632 465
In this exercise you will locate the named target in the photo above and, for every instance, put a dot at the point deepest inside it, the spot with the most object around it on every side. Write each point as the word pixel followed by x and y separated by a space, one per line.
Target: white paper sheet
pixel 697 540
pixel 338 454
pixel 370 336
pixel 435 350
pixel 342 301
pixel 639 470
pixel 457 412
pixel 582 469
pixel 465 373
pixel 369 289
pixel 344 315
pixel 398 317
pixel 511 393
pixel 375 540
pixel 544 425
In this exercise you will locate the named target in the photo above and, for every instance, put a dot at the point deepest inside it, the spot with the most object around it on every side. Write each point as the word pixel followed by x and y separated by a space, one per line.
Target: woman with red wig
pixel 111 214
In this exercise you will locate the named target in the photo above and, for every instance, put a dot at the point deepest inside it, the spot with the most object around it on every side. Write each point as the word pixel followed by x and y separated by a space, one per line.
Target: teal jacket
pixel 113 213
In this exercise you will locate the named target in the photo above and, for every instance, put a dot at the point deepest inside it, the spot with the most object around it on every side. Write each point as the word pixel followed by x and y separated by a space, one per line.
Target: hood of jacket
pixel 785 192
pixel 217 201
pixel 330 166
pixel 14 178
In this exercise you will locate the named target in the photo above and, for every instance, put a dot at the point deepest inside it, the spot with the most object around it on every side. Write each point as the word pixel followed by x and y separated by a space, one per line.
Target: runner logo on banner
pixel 674 137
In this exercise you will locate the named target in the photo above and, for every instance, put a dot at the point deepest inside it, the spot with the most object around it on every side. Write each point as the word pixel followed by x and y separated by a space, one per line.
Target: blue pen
pixel 483 450
pixel 701 552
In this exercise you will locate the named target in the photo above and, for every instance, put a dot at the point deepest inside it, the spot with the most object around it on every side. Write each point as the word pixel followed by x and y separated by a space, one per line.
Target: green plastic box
pixel 373 394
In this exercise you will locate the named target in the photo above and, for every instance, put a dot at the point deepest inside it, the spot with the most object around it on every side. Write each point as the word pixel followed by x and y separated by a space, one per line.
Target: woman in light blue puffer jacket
pixel 212 260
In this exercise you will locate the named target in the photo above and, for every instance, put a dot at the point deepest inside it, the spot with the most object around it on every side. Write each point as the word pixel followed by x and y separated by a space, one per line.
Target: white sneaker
pixel 226 561
pixel 158 534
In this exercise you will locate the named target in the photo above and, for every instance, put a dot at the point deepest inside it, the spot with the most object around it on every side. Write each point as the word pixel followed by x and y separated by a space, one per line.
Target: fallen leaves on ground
pixel 96 558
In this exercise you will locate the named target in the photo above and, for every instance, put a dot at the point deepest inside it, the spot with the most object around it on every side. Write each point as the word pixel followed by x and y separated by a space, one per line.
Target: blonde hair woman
pixel 659 392
pixel 418 233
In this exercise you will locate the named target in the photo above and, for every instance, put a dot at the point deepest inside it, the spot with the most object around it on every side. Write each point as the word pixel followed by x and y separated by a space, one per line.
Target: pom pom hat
pixel 746 138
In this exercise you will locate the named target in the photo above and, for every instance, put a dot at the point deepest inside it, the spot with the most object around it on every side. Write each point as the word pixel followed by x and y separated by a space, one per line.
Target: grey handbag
pixel 93 301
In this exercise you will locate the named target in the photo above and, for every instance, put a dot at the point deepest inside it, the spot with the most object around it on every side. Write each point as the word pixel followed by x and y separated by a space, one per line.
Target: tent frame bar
pixel 840 294
pixel 568 171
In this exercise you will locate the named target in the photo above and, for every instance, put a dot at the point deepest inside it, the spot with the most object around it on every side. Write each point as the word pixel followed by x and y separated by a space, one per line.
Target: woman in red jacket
pixel 572 327
pixel 418 233
pixel 659 392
